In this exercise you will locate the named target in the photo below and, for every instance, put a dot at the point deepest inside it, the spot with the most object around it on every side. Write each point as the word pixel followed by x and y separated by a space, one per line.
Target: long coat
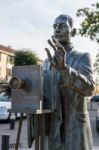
pixel 65 92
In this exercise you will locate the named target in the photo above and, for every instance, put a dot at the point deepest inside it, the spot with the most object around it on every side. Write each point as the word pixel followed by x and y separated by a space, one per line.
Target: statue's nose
pixel 57 30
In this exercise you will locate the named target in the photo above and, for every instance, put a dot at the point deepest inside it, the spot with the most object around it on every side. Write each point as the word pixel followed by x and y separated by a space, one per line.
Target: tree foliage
pixel 25 57
pixel 90 25
pixel 96 64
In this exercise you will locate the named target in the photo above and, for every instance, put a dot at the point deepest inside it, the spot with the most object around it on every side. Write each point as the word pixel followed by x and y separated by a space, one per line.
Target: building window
pixel 9 72
pixel 0 56
pixel 0 70
pixel 10 59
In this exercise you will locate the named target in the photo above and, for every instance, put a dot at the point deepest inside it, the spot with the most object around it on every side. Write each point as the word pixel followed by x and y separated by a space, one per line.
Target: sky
pixel 29 24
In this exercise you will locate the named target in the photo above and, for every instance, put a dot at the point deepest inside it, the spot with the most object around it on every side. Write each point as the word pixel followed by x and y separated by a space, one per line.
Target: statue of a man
pixel 69 77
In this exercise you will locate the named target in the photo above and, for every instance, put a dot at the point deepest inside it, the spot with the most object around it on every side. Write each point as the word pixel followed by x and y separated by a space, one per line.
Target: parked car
pixel 97 121
pixel 96 99
pixel 5 104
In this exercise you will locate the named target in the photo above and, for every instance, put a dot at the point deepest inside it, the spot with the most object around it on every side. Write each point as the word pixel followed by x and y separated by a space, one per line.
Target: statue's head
pixel 63 28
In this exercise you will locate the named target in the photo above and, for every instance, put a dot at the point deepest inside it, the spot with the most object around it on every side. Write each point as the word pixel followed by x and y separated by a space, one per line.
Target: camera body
pixel 27 87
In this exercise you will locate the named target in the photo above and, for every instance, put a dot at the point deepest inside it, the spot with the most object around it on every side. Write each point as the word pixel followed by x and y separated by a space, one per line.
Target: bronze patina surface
pixel 68 75
pixel 26 84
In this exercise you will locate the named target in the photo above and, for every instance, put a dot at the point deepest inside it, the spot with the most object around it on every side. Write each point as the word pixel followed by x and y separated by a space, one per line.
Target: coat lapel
pixel 70 58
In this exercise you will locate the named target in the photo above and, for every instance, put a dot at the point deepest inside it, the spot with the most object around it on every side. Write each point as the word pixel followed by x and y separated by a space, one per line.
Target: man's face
pixel 62 30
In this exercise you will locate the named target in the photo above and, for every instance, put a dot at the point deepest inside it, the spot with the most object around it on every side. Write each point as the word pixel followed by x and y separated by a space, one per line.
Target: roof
pixel 7 49
pixel 40 61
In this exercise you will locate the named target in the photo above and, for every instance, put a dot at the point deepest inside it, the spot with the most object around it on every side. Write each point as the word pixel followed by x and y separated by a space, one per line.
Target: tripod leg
pixel 19 132
pixel 37 140
pixel 42 132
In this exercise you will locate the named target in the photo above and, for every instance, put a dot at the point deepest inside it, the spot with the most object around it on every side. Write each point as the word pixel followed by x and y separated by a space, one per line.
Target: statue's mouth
pixel 58 36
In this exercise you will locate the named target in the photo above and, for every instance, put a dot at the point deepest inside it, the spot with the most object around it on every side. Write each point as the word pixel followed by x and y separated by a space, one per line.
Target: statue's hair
pixel 70 20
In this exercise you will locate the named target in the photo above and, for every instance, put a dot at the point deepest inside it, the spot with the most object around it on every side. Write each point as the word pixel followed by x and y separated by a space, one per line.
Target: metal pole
pixel 12 121
pixel 12 124
pixel 5 142
pixel 91 107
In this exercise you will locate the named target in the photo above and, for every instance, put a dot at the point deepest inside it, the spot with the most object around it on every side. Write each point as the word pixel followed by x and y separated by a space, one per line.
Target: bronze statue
pixel 54 96
pixel 67 81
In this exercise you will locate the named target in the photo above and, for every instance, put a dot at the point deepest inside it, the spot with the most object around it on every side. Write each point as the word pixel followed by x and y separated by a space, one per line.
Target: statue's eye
pixel 54 26
pixel 63 26
pixel 60 26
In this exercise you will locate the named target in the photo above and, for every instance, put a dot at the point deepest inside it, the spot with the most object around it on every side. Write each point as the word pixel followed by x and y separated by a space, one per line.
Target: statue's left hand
pixel 57 60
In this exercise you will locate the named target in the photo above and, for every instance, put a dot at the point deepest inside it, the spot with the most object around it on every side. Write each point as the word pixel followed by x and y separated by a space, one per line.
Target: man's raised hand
pixel 57 60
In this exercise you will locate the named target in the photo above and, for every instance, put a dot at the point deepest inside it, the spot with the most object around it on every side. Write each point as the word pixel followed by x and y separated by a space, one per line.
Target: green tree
pixel 25 57
pixel 96 64
pixel 90 25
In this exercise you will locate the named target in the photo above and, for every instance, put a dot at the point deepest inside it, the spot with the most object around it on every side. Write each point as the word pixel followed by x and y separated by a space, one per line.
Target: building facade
pixel 6 63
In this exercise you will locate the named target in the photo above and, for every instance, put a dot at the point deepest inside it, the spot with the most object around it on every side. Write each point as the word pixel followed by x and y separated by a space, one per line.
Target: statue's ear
pixel 74 31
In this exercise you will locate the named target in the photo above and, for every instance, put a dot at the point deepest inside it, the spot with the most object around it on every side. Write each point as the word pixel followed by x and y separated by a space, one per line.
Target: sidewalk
pixel 32 149
pixel 96 148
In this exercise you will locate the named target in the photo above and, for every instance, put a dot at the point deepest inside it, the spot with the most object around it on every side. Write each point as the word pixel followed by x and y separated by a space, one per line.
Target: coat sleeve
pixel 80 80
